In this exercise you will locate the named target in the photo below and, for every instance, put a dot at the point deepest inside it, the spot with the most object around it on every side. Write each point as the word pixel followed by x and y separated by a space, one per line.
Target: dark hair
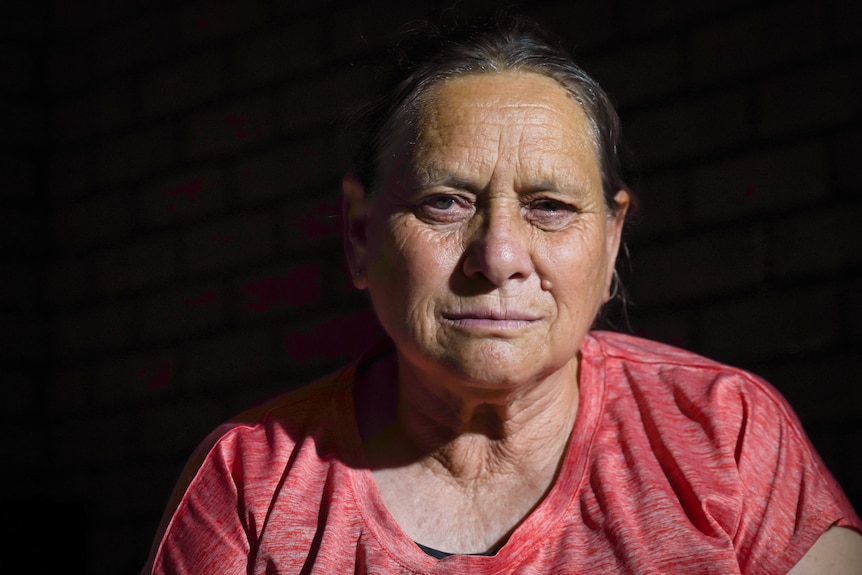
pixel 429 54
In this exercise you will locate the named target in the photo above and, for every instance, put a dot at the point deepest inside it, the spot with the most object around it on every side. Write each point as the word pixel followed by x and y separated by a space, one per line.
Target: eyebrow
pixel 434 177
pixel 540 186
pixel 431 175
pixel 431 178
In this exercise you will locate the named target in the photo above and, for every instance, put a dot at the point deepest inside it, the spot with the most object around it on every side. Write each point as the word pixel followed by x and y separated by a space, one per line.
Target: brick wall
pixel 171 232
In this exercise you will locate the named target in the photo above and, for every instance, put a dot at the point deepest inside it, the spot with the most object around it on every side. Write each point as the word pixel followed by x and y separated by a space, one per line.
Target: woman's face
pixel 489 249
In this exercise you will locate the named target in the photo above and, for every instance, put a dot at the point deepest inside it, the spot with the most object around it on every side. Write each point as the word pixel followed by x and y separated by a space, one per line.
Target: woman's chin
pixel 495 365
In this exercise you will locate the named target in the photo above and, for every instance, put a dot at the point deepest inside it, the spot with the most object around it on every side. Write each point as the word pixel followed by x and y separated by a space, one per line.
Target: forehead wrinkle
pixel 441 159
pixel 555 170
pixel 465 169
pixel 559 165
pixel 453 138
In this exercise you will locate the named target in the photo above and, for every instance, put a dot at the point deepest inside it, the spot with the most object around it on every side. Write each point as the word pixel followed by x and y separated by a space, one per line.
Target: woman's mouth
pixel 496 320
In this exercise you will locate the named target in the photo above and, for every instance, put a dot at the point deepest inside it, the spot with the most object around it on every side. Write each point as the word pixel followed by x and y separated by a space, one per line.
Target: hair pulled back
pixel 430 54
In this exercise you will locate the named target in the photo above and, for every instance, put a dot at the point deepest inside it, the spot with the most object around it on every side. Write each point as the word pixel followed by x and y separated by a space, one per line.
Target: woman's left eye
pixel 441 202
pixel 547 206
pixel 550 214
pixel 550 206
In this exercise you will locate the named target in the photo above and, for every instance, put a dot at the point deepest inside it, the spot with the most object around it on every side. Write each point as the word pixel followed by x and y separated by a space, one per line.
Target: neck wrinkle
pixel 472 440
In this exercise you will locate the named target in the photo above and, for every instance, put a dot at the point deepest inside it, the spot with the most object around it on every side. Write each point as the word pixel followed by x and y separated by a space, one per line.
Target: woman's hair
pixel 428 55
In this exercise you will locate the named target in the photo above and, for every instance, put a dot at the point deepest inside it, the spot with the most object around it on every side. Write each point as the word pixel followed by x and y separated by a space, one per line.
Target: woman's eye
pixel 551 206
pixel 551 214
pixel 444 208
pixel 441 202
pixel 548 206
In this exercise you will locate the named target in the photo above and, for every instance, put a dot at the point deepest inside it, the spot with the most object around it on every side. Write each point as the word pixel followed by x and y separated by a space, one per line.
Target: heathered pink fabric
pixel 676 464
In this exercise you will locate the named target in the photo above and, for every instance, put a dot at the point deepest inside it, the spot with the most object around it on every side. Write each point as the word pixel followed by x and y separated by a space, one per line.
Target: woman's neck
pixel 466 432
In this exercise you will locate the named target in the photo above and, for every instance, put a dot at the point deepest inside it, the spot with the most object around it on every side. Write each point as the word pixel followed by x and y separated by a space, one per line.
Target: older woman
pixel 494 432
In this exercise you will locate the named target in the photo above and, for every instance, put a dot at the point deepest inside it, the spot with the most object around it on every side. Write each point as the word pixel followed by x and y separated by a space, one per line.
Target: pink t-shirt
pixel 676 464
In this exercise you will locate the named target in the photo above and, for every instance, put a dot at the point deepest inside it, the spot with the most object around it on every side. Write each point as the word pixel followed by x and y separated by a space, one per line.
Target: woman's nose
pixel 500 249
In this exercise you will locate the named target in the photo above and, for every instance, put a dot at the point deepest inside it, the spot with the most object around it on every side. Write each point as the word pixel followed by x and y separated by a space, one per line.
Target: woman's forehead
pixel 489 118
pixel 507 96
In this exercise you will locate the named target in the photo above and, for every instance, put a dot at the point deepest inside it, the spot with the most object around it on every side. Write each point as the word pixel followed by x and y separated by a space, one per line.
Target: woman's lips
pixel 491 319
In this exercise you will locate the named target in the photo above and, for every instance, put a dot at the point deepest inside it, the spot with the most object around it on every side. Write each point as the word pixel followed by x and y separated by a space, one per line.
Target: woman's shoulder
pixel 714 433
pixel 654 358
pixel 661 373
pixel 300 404
pixel 637 349
pixel 317 418
pixel 309 419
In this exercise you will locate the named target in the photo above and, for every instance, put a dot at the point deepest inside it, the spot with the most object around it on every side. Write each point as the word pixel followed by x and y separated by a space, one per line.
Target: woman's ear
pixel 354 213
pixel 616 220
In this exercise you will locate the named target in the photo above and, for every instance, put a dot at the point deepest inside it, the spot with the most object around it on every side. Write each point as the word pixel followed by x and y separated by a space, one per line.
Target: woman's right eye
pixel 444 207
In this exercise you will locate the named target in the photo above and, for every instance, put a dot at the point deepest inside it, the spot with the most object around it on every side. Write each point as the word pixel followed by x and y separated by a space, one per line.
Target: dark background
pixel 170 232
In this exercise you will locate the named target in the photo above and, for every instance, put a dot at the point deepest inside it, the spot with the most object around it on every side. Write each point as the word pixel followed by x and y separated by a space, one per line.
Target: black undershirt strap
pixel 442 554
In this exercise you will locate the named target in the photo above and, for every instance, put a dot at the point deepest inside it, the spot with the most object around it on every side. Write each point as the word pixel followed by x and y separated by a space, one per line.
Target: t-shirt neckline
pixel 534 529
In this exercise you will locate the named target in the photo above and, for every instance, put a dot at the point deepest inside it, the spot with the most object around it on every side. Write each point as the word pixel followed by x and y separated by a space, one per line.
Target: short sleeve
pixel 789 497
pixel 203 529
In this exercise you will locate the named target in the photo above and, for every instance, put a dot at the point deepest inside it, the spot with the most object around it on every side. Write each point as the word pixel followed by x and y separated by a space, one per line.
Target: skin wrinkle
pixel 431 95
pixel 401 246
pixel 483 416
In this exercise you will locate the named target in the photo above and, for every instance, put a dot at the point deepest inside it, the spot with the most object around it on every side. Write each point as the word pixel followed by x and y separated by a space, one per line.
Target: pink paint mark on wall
pixel 186 192
pixel 300 286
pixel 338 339
pixel 243 125
pixel 189 188
pixel 207 298
pixel 320 222
pixel 750 188
pixel 159 378
pixel 223 238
